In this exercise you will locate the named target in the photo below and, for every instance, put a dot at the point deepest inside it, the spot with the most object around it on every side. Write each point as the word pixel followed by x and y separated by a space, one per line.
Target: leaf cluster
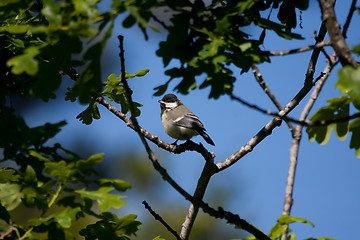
pixel 282 225
pixel 339 109
pixel 206 39
pixel 50 177
pixel 38 42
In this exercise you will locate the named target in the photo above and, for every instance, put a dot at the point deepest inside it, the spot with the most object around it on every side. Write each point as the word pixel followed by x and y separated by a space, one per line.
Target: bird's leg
pixel 175 143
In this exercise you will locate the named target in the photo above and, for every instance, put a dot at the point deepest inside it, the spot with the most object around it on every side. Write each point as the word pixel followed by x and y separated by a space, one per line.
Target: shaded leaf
pixel 337 108
pixel 8 175
pixel 10 195
pixel 90 113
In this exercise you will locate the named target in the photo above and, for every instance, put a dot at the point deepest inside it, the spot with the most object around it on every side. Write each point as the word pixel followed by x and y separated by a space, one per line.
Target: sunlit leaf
pixel 104 199
pixel 286 219
pixel 118 184
pixel 25 62
pixel 349 81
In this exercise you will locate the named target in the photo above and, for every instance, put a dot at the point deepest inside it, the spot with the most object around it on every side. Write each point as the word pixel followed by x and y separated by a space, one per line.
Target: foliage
pixel 37 42
pixel 339 108
pixel 50 176
pixel 283 225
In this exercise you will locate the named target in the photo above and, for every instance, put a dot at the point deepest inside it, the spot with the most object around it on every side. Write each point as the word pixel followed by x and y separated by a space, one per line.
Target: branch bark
pixel 299 50
pixel 288 200
pixel 336 36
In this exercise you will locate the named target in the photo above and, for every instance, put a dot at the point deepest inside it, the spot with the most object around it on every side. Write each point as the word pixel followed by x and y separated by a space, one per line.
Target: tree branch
pixel 177 149
pixel 299 50
pixel 337 39
pixel 349 17
pixel 294 150
pixel 259 78
pixel 273 123
pixel 161 220
pixel 199 193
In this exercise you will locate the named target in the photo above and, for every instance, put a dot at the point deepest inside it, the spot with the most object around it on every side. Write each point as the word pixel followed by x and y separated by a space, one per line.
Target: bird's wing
pixel 190 120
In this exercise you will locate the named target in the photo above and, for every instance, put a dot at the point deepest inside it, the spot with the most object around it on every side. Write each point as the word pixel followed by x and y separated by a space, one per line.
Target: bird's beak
pixel 161 101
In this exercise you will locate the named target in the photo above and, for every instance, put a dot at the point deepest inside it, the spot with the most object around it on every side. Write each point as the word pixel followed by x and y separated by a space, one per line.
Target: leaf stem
pixel 26 233
pixel 55 196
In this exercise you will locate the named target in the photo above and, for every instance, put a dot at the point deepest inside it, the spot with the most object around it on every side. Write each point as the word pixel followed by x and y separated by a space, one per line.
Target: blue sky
pixel 327 179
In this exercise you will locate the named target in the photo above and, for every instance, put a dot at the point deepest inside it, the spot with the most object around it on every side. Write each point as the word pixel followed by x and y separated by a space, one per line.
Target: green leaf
pixel 104 199
pixel 30 174
pixel 349 81
pixel 158 238
pixel 286 219
pixel 8 175
pixel 60 170
pixel 140 73
pixel 277 28
pixel 25 62
pixel 277 231
pixel 337 108
pixel 66 217
pixel 90 113
pixel 112 227
pixel 128 225
pixel 87 166
pixel 41 220
pixel 118 184
pixel 161 89
pixel 292 236
pixel 10 195
pixel 355 136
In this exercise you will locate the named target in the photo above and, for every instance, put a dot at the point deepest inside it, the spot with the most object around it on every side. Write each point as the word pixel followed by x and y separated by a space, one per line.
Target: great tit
pixel 179 121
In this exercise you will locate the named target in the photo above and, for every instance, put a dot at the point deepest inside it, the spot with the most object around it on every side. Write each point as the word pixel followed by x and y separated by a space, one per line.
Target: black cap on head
pixel 170 98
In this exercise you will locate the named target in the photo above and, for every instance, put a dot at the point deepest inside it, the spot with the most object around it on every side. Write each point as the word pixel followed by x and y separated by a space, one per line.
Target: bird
pixel 179 121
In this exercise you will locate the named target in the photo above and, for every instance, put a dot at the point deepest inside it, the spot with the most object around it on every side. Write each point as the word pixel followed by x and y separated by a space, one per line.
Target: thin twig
pixel 349 17
pixel 150 153
pixel 156 19
pixel 259 78
pixel 161 220
pixel 294 149
pixel 299 50
pixel 305 123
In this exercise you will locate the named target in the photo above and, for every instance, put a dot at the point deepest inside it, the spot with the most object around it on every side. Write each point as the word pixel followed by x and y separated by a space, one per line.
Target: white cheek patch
pixel 171 105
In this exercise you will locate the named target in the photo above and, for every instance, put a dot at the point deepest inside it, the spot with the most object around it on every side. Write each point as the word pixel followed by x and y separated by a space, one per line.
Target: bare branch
pixel 234 219
pixel 299 50
pixel 161 220
pixel 315 55
pixel 201 186
pixel 156 19
pixel 177 149
pixel 133 119
pixel 259 78
pixel 267 129
pixel 348 18
pixel 294 150
pixel 337 39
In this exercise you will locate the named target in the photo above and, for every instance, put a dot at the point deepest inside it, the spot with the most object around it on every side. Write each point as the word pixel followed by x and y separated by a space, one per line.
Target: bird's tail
pixel 207 138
